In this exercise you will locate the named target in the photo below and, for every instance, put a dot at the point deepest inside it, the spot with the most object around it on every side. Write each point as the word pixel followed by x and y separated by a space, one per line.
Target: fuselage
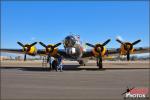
pixel 73 47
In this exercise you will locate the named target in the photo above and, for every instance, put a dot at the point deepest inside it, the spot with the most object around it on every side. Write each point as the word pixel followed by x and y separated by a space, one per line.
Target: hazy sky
pixel 95 22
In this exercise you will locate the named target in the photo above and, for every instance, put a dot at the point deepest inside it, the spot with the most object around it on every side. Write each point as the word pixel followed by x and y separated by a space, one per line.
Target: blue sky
pixel 95 22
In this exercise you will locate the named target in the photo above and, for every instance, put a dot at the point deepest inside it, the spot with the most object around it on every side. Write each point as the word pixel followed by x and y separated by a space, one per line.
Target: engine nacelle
pixel 123 50
pixel 50 49
pixel 30 50
pixel 103 52
pixel 54 52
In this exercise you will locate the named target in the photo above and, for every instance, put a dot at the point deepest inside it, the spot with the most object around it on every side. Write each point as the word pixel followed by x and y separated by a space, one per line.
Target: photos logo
pixel 136 93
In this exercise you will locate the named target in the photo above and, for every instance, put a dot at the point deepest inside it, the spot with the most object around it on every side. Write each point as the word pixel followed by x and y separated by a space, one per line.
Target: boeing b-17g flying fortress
pixel 73 49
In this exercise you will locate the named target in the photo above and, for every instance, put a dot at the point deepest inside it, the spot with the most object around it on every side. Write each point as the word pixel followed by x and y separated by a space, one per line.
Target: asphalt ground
pixel 28 80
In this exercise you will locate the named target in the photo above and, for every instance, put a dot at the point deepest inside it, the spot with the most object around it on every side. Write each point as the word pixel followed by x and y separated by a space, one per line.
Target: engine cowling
pixel 51 50
pixel 99 49
pixel 30 50
pixel 126 47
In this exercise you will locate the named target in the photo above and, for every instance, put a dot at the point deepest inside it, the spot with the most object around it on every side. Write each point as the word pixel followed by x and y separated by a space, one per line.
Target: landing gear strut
pixel 99 62
pixel 82 63
pixel 50 63
pixel 128 55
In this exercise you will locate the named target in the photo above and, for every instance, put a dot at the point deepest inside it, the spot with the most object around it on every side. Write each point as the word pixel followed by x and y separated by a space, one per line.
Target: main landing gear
pixel 99 62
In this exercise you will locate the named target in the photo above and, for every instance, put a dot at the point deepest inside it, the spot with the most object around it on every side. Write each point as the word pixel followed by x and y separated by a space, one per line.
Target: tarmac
pixel 29 80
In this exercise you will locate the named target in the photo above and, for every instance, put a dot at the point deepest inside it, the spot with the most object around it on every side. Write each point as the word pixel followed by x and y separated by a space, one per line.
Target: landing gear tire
pixel 81 63
pixel 97 62
pixel 100 66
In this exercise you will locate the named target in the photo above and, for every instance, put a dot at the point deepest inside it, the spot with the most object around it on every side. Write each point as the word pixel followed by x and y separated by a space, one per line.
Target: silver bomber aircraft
pixel 73 49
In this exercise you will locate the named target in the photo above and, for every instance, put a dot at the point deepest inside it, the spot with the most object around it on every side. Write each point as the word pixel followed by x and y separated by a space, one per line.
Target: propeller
pixel 120 41
pixel 20 44
pixel 134 43
pixel 26 48
pixel 99 49
pixel 128 46
pixel 106 42
pixel 49 48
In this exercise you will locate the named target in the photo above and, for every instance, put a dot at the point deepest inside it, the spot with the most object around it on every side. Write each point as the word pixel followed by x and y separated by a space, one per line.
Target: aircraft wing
pixel 116 51
pixel 87 53
pixel 40 52
pixel 18 51
pixel 142 50
pixel 43 53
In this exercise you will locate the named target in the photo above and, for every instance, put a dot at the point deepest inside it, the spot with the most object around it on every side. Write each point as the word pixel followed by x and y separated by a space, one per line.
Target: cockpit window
pixel 69 41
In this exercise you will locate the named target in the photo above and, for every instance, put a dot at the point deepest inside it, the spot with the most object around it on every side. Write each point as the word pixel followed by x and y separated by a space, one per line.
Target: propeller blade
pixel 33 44
pixel 128 55
pixel 106 42
pixel 43 44
pixel 56 45
pixel 20 44
pixel 90 45
pixel 25 57
pixel 119 41
pixel 136 42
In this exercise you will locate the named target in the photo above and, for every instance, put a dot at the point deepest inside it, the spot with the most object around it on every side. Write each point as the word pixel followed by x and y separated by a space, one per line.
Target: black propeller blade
pixel 56 45
pixel 106 42
pixel 119 41
pixel 20 44
pixel 90 45
pixel 33 44
pixel 136 42
pixel 43 44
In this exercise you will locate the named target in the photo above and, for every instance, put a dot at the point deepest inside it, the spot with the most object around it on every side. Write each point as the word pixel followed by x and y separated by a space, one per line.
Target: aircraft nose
pixel 69 41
